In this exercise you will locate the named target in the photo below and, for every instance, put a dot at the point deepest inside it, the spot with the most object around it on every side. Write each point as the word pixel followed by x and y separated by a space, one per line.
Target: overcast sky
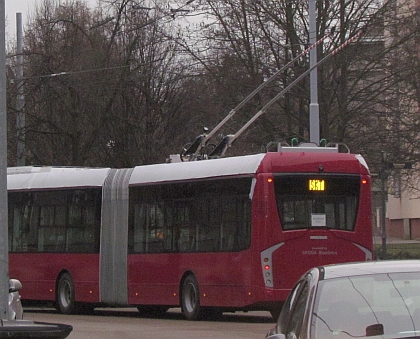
pixel 24 7
pixel 13 7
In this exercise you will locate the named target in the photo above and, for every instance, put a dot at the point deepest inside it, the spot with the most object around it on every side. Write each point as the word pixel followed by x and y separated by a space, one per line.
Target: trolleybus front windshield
pixel 312 201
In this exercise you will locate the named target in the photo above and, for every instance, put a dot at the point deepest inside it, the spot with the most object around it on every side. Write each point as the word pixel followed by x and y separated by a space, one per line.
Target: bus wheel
pixel 190 298
pixel 65 302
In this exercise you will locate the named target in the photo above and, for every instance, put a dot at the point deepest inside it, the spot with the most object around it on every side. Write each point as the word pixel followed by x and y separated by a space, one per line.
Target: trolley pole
pixel 313 107
pixel 4 246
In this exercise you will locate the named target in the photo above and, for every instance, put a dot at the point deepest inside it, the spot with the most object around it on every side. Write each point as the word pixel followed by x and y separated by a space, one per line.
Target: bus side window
pixel 22 236
pixel 33 218
pixel 19 230
pixel 155 231
pixel 52 229
pixel 208 240
pixel 81 229
pixel 184 237
pixel 190 217
pixel 138 229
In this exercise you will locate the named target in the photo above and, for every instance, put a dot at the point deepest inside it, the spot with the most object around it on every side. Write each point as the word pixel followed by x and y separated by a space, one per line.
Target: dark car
pixel 378 298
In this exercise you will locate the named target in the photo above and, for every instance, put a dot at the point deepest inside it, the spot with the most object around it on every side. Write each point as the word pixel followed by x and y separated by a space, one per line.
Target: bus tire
pixel 190 298
pixel 65 300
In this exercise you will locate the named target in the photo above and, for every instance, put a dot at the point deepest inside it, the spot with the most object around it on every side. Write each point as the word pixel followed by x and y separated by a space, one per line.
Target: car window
pixel 291 319
pixel 287 308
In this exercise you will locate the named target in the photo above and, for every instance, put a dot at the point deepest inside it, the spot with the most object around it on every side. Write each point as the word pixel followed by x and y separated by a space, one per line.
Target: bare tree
pixel 128 83
pixel 258 37
pixel 403 99
pixel 64 65
pixel 104 87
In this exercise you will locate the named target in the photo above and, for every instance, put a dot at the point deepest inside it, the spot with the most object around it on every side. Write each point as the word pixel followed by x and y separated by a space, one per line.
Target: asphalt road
pixel 127 324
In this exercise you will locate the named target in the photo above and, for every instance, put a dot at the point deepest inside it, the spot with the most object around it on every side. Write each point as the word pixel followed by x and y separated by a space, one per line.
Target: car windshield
pixel 385 305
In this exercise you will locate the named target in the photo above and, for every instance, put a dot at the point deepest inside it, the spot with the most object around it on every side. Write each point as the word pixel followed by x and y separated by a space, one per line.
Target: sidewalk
pixel 377 240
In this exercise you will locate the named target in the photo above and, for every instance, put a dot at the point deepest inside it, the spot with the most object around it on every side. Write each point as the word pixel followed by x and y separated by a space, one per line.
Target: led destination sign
pixel 316 185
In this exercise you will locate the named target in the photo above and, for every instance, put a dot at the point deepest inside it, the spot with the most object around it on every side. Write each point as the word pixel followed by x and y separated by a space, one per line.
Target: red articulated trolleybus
pixel 217 235
pixel 208 236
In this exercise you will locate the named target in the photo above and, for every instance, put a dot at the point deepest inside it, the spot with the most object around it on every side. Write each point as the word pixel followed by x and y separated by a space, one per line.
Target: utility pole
pixel 383 175
pixel 4 246
pixel 20 123
pixel 313 107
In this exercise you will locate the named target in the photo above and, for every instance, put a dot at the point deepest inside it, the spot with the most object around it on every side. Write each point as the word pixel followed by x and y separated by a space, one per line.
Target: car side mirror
pixel 14 285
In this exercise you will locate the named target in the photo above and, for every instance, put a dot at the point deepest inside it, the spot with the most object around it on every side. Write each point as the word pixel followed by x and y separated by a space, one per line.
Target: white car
pixel 371 299
pixel 15 305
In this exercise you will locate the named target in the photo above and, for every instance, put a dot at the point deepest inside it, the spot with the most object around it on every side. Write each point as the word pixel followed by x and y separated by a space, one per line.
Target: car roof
pixel 368 267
